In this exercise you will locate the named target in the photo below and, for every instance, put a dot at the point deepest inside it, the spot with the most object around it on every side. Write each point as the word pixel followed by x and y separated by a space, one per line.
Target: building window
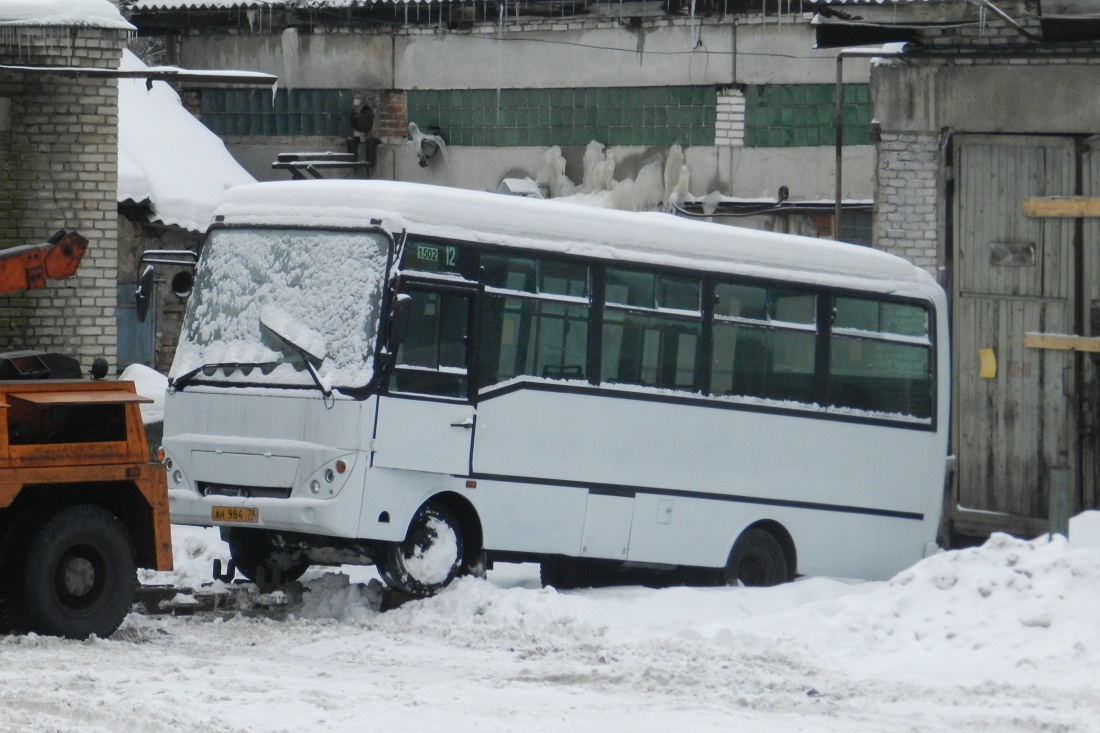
pixel 796 115
pixel 543 117
pixel 297 112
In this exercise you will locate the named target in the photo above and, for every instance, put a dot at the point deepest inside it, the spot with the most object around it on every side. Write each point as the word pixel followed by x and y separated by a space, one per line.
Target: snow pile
pixel 147 383
pixel 168 157
pixel 86 13
pixel 334 596
pixel 997 638
pixel 1008 605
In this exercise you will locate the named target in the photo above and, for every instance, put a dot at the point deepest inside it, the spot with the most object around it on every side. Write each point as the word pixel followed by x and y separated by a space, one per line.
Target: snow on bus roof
pixel 652 238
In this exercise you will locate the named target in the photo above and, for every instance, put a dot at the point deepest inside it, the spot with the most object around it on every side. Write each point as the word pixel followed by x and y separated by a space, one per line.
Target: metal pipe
pixel 1008 18
pixel 838 121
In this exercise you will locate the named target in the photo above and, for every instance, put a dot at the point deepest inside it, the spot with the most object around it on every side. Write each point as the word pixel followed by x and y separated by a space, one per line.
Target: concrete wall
pixel 59 149
pixel 555 55
pixel 1047 95
pixel 317 60
pixel 771 51
pixel 539 53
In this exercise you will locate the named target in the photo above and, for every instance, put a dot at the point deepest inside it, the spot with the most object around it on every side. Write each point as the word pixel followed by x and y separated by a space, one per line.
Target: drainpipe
pixel 838 119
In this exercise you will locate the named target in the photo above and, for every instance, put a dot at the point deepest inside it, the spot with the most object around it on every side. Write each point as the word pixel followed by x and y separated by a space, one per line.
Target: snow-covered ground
pixel 999 638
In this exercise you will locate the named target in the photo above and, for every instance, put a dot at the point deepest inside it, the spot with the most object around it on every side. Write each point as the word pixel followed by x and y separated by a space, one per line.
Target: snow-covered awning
pixel 67 13
pixel 151 73
pixel 142 6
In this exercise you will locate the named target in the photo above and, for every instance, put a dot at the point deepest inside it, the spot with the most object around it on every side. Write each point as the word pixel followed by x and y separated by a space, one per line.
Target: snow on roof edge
pixel 62 13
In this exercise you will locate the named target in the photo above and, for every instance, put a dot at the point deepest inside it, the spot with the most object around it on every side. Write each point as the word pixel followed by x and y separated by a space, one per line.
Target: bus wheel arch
pixel 443 541
pixel 473 540
pixel 762 555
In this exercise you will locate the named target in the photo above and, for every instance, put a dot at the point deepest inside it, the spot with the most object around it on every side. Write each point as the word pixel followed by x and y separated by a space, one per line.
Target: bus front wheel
pixel 756 559
pixel 429 558
pixel 261 559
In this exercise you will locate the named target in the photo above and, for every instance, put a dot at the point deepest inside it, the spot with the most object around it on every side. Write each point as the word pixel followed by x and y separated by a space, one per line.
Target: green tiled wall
pixel 802 114
pixel 297 112
pixel 543 117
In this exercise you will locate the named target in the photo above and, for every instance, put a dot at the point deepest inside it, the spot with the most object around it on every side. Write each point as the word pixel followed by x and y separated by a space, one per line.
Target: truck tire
pixel 79 575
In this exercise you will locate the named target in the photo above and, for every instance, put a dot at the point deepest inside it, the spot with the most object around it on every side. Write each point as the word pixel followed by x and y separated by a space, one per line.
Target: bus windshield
pixel 284 307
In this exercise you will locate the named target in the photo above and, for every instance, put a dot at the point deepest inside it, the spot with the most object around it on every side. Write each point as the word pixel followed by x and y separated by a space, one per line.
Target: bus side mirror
pixel 400 314
pixel 144 293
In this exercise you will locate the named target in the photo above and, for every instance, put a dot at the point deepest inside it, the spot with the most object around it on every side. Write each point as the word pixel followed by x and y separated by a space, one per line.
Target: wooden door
pixel 1015 423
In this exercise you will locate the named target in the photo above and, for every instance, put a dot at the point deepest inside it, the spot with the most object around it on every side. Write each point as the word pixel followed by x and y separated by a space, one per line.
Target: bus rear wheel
pixel 429 558
pixel 756 559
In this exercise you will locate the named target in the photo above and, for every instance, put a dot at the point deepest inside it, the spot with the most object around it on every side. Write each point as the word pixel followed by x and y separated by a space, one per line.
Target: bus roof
pixel 558 227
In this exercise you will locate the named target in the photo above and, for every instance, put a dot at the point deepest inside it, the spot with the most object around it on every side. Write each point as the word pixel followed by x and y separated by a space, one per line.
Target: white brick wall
pixel 906 209
pixel 729 129
pixel 59 171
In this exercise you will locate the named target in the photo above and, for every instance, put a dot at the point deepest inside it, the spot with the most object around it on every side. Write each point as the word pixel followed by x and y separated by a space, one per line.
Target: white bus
pixel 430 379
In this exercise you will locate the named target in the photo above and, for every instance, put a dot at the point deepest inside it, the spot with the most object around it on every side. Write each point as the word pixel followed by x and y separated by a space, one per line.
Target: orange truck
pixel 81 504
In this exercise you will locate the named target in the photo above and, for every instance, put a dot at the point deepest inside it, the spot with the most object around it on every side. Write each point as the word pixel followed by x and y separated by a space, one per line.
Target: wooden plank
pixel 1062 207
pixel 1062 342
pixel 99 397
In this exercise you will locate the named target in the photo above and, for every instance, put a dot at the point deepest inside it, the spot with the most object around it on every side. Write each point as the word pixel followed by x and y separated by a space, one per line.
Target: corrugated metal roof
pixel 872 2
pixel 869 2
pixel 146 5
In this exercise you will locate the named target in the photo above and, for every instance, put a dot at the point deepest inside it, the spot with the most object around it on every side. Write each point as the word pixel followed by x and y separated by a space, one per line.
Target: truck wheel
pixel 429 558
pixel 78 575
pixel 255 555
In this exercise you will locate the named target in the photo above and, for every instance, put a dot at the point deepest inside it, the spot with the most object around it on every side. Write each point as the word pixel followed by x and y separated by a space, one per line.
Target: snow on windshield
pixel 321 286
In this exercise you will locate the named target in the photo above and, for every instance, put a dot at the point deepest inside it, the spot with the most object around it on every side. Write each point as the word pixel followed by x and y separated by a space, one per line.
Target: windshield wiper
pixel 181 381
pixel 308 344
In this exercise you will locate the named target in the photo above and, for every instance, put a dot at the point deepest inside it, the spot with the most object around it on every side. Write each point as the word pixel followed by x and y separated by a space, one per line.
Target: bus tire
pixel 260 560
pixel 756 559
pixel 429 558
pixel 79 574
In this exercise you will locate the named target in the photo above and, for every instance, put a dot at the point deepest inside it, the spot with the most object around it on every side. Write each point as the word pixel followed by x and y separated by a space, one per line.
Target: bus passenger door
pixel 425 419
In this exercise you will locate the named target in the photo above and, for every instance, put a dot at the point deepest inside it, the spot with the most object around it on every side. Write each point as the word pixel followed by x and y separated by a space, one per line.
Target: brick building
pixel 58 147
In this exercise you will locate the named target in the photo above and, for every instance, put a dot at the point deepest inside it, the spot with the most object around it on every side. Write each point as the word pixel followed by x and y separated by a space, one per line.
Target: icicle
pixel 593 157
pixel 649 187
pixel 290 57
pixel 551 174
pixel 673 163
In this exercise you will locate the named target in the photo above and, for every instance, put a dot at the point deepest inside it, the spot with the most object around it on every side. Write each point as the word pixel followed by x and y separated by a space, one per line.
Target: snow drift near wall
pixel 168 157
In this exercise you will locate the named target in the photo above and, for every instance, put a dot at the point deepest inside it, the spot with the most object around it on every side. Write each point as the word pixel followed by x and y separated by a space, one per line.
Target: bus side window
pixel 881 357
pixel 652 329
pixel 764 342
pixel 433 358
pixel 533 320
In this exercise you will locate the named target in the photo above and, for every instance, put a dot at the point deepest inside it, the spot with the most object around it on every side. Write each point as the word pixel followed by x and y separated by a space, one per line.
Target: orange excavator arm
pixel 27 267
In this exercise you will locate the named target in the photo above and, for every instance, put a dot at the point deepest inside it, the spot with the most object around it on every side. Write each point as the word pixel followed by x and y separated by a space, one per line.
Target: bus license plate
pixel 239 514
